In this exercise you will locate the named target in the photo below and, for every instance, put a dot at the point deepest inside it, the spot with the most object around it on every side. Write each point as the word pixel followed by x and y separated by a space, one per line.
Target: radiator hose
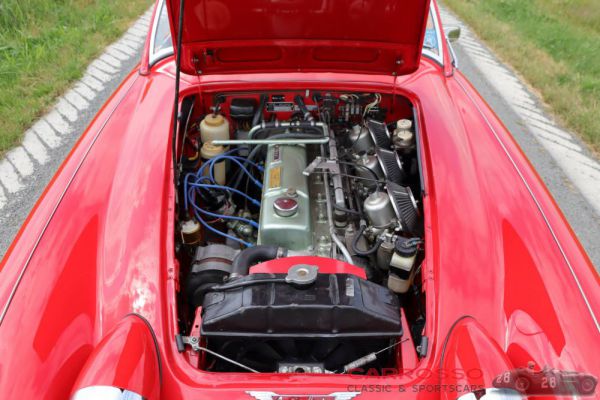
pixel 258 115
pixel 253 255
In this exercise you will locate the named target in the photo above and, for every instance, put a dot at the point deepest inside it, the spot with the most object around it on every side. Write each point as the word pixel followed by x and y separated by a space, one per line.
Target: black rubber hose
pixel 254 255
pixel 259 112
pixel 355 240
pixel 347 210
pixel 302 106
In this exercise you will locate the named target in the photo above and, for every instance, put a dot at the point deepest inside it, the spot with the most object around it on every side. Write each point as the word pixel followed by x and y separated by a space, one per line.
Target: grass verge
pixel 554 44
pixel 45 45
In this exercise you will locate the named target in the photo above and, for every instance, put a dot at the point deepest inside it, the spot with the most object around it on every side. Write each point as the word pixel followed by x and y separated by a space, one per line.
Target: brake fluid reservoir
pixel 208 152
pixel 401 265
pixel 214 127
pixel 404 137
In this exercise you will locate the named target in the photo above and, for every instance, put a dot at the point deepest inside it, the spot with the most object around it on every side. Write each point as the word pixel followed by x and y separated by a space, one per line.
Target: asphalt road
pixel 573 195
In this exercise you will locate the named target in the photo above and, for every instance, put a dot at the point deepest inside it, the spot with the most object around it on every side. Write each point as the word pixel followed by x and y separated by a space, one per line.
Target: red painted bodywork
pixel 471 359
pixel 99 245
pixel 326 266
pixel 126 357
pixel 383 36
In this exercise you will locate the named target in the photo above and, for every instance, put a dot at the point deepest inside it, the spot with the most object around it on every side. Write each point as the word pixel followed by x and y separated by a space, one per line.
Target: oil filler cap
pixel 285 206
pixel 302 274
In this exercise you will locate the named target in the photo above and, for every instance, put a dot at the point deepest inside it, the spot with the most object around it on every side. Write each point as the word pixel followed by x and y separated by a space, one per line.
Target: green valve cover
pixel 285 211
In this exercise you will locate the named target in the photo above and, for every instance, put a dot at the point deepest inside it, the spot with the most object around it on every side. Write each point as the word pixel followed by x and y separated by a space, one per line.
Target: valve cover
pixel 285 218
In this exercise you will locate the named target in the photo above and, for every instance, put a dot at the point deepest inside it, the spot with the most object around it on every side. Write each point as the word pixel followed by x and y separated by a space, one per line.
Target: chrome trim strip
pixel 452 53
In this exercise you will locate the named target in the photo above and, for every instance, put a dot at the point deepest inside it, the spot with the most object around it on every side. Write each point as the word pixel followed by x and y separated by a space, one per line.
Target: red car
pixel 309 201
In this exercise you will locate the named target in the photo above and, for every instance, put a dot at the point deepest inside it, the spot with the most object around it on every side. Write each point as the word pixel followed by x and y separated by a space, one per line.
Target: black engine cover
pixel 335 306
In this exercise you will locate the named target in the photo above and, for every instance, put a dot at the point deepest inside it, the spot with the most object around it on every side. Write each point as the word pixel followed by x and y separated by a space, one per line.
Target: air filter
pixel 391 165
pixel 405 206
pixel 379 133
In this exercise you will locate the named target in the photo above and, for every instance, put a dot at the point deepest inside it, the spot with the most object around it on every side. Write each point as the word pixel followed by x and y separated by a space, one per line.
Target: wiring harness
pixel 204 179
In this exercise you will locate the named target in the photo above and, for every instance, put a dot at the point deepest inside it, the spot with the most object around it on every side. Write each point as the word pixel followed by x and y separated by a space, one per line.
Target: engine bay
pixel 299 231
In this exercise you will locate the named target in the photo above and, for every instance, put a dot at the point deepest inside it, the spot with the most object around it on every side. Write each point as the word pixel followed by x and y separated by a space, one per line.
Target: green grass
pixel 554 45
pixel 45 45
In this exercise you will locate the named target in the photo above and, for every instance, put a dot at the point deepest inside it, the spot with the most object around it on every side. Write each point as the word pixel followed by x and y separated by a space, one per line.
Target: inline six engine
pixel 300 232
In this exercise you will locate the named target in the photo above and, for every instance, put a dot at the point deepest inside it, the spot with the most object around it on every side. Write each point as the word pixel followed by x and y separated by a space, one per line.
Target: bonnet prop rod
pixel 176 102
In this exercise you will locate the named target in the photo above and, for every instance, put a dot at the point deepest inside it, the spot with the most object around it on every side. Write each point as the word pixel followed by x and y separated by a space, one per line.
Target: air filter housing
pixel 391 165
pixel 405 206
pixel 379 133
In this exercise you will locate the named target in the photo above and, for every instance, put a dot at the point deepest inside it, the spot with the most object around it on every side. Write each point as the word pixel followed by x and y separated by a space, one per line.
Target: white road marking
pixel 9 177
pixel 21 161
pixel 116 53
pixel 558 140
pixel 33 146
pixel 477 50
pixel 137 30
pixel 105 67
pixel 47 134
pixel 99 74
pixel 58 123
pixel 2 198
pixel 548 128
pixel 122 47
pixel 92 82
pixel 133 38
pixel 110 60
pixel 77 100
pixel 67 110
pixel 85 90
pixel 581 169
pixel 131 43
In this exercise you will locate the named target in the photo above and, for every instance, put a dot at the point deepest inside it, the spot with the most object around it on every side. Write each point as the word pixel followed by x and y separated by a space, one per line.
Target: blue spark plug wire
pixel 226 188
pixel 214 160
pixel 218 232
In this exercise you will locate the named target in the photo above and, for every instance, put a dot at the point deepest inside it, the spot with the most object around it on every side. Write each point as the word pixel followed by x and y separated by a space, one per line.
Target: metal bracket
pixel 192 341
pixel 423 347
pixel 452 53
pixel 321 163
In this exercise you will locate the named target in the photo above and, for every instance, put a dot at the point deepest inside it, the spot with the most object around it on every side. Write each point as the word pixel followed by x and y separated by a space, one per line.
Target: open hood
pixel 364 36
